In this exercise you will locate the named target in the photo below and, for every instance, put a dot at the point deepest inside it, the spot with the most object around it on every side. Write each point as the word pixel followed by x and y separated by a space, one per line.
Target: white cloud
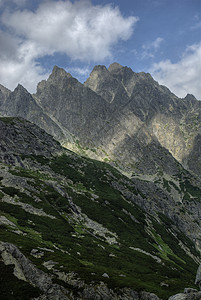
pixel 156 43
pixel 19 66
pixel 81 30
pixel 150 49
pixel 79 73
pixel 183 76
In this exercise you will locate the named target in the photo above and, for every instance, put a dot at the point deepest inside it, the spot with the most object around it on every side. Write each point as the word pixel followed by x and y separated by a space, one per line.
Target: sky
pixel 161 37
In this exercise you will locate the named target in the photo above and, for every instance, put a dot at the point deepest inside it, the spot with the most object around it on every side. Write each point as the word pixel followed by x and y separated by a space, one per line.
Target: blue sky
pixel 162 37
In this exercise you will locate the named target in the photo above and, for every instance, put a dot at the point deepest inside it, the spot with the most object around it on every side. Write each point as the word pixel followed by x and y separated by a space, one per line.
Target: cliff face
pixel 174 122
pixel 127 116
pixel 76 228
pixel 77 108
pixel 20 103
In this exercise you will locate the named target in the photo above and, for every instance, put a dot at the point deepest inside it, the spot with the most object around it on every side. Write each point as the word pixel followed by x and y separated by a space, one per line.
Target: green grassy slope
pixel 90 228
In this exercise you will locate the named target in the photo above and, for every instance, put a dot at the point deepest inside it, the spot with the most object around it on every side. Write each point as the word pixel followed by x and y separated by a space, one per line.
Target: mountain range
pixel 117 115
pixel 100 188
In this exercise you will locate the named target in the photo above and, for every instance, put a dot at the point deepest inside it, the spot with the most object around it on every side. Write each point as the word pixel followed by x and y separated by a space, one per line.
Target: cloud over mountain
pixel 182 76
pixel 81 30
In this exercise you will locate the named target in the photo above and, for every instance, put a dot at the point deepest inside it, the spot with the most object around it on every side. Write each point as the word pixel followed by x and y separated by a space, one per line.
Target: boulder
pixel 148 296
pixel 178 297
pixel 190 291
pixel 198 277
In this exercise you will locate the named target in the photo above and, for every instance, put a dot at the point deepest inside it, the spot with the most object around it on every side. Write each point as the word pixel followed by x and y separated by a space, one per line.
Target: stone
pixel 36 253
pixel 49 264
pixel 148 296
pixel 178 297
pixel 198 277
pixel 190 291
pixel 5 221
pixel 105 275
pixel 25 270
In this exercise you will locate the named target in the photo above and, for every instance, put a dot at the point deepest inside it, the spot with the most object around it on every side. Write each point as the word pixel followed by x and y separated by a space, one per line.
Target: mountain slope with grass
pixel 76 228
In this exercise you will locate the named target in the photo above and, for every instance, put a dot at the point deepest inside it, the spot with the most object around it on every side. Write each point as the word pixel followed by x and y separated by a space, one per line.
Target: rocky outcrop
pixel 190 293
pixel 16 134
pixel 20 103
pixel 198 277
pixel 164 113
pixel 25 270
pixel 4 93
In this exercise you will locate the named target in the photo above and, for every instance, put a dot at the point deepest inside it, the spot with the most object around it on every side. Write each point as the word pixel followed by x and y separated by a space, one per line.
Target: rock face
pixel 26 271
pixel 20 103
pixel 75 107
pixel 190 293
pixel 198 277
pixel 4 93
pixel 174 122
pixel 16 135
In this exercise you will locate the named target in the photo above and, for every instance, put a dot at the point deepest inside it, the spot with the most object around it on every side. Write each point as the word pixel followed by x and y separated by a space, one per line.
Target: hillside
pixel 76 228
pixel 100 190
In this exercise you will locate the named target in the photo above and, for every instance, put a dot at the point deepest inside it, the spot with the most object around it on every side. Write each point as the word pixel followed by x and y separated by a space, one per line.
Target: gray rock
pixel 198 277
pixel 178 297
pixel 190 291
pixel 105 275
pixel 17 132
pixel 36 253
pixel 148 296
pixel 12 255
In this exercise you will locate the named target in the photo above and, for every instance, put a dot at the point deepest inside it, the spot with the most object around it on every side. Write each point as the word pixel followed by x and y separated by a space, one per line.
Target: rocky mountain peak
pixel 56 78
pixel 99 69
pixel 115 80
pixel 102 81
pixel 4 90
pixel 58 73
pixel 190 97
pixel 133 101
pixel 98 74
pixel 20 89
pixel 4 93
pixel 115 67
